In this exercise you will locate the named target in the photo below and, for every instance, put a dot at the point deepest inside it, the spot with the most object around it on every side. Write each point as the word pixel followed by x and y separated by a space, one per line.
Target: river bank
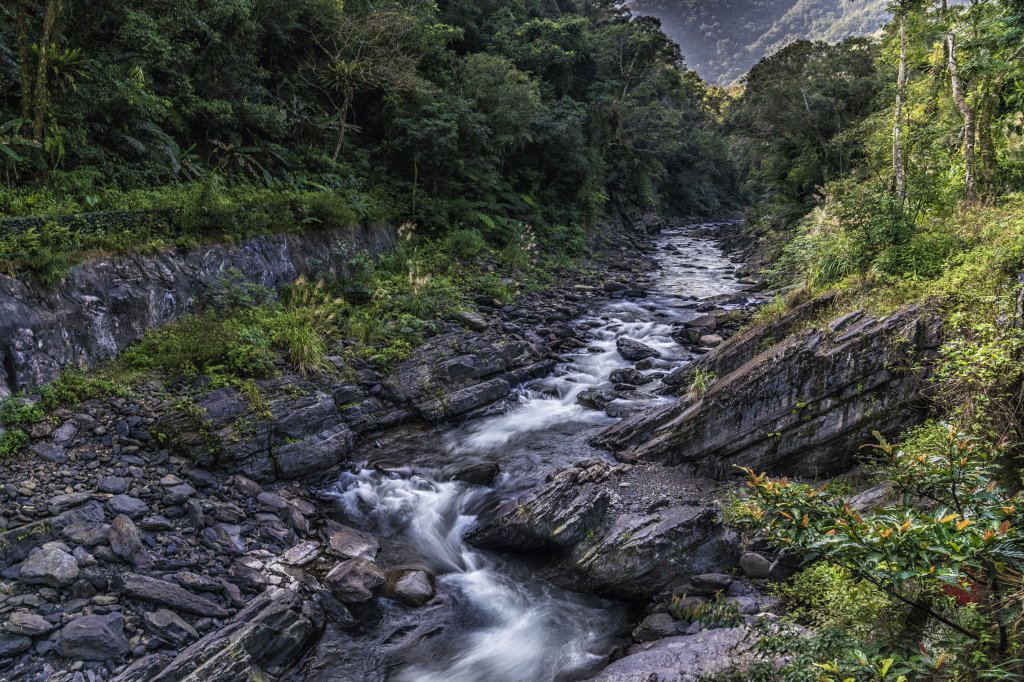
pixel 106 493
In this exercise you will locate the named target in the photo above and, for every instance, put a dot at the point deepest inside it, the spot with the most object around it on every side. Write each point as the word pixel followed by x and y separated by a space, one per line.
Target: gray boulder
pixel 170 595
pixel 355 580
pixel 126 542
pixel 634 350
pixel 169 627
pixel 410 586
pixel 93 638
pixel 687 658
pixel 51 565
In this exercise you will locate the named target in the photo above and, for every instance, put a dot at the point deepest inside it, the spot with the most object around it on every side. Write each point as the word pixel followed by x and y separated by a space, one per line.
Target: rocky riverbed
pixel 447 518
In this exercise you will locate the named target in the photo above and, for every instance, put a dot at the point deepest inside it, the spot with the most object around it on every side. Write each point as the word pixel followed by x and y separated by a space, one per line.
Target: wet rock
pixel 755 566
pixel 629 376
pixel 681 659
pixel 558 515
pixel 480 473
pixel 354 580
pixel 225 538
pixel 803 407
pixel 170 595
pixel 348 543
pixel 93 638
pixel 126 542
pixel 711 341
pixel 302 554
pixel 52 565
pixel 87 533
pixel 411 586
pixel 169 627
pixel 655 626
pixel 634 350
pixel 705 322
pixel 596 399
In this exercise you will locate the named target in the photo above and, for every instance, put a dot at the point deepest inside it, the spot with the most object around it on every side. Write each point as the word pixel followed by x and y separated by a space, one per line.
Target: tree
pixel 377 50
pixel 948 548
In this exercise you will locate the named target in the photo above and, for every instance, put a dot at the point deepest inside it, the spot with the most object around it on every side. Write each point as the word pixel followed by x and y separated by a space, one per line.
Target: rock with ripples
pixel 789 400
pixel 558 515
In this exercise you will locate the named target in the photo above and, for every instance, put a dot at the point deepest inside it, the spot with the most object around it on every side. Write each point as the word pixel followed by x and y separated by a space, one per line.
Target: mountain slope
pixel 722 40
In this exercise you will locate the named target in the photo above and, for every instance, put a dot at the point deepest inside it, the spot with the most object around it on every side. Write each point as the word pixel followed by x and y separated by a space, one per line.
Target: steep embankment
pixel 105 305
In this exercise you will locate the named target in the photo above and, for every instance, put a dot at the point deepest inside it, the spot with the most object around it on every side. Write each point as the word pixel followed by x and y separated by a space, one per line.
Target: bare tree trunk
pixel 24 56
pixel 898 168
pixel 339 144
pixel 967 113
pixel 42 99
pixel 986 145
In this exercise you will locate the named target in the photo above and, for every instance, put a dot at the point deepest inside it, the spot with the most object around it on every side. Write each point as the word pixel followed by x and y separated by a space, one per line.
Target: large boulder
pixel 626 532
pixel 52 565
pixel 93 638
pixel 687 658
pixel 804 406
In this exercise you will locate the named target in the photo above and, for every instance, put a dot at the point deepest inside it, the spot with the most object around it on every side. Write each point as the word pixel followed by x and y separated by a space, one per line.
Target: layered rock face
pixel 105 305
pixel 803 406
pixel 630 532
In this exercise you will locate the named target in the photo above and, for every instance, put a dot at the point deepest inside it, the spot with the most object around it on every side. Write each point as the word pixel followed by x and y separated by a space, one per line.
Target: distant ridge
pixel 722 39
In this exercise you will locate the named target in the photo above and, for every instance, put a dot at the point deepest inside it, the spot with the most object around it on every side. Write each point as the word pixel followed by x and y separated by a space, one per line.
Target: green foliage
pixel 717 613
pixel 316 115
pixel 15 411
pixel 13 442
pixel 828 597
pixel 955 560
pixel 700 384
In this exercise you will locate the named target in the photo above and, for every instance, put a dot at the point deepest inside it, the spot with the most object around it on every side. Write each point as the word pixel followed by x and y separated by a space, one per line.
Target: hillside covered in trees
pixel 722 40
pixel 486 115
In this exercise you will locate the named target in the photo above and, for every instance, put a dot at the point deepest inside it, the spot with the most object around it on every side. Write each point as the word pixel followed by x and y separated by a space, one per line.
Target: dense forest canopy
pixel 723 40
pixel 480 114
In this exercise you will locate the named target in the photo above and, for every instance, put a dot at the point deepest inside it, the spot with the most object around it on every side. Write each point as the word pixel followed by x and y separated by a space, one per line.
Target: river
pixel 492 620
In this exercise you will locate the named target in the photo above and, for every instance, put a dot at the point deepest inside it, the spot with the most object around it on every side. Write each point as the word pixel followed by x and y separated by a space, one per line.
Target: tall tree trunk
pixel 339 144
pixel 986 144
pixel 898 168
pixel 42 99
pixel 24 56
pixel 970 182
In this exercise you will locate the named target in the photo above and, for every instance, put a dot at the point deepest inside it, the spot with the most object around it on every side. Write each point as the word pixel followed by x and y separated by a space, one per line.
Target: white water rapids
pixel 492 620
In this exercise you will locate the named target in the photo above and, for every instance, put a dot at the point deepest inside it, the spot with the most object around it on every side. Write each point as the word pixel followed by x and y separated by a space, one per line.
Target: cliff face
pixel 802 407
pixel 105 305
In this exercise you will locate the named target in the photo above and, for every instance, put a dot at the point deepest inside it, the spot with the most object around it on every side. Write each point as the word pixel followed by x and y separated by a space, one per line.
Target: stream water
pixel 492 621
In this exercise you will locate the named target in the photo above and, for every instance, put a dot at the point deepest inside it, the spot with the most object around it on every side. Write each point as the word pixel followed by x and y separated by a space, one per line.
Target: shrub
pixel 13 442
pixel 465 244
pixel 827 596
pixel 15 411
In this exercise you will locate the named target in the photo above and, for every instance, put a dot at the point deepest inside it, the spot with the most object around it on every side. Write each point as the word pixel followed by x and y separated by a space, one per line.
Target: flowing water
pixel 492 621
